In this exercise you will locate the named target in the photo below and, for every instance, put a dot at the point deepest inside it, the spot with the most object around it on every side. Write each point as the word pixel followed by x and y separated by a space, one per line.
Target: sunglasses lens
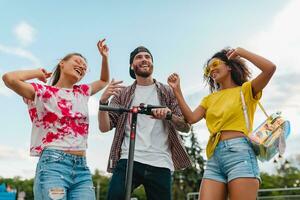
pixel 211 67
pixel 215 64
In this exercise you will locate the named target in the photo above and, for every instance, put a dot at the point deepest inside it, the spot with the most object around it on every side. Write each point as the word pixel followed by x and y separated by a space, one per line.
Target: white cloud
pixel 20 53
pixel 13 153
pixel 280 41
pixel 23 164
pixel 24 33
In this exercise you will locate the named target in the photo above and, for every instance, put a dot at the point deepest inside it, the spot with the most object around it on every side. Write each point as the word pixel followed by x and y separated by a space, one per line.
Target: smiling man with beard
pixel 158 148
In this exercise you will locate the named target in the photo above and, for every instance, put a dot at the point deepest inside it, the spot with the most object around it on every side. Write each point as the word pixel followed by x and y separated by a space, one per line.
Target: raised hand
pixel 44 75
pixel 234 53
pixel 103 48
pixel 112 89
pixel 174 81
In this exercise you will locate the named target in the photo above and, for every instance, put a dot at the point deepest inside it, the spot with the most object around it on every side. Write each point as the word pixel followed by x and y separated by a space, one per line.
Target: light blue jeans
pixel 60 175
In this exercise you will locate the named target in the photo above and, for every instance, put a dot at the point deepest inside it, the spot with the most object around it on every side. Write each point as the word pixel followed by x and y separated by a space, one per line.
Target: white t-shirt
pixel 151 145
pixel 59 118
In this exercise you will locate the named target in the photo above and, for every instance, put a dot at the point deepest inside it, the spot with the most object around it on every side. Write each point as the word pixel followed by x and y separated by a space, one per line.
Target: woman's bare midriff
pixel 76 153
pixel 226 135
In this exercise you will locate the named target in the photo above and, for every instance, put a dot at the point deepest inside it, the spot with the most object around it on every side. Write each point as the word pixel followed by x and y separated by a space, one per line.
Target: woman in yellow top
pixel 232 166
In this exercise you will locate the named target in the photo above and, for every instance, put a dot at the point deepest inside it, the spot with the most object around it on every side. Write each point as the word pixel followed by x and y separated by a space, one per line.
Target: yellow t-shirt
pixel 224 111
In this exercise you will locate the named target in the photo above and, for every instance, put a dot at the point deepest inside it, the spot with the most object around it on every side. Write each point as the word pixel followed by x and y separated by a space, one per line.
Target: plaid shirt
pixel 166 97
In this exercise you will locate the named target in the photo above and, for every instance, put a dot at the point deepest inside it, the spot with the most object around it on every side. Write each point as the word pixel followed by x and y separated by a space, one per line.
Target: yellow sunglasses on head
pixel 211 66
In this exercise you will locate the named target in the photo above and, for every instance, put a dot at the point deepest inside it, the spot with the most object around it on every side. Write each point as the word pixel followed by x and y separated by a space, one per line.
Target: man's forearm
pixel 103 121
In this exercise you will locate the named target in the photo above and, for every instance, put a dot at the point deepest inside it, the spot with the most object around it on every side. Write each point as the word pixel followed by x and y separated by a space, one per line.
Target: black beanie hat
pixel 133 54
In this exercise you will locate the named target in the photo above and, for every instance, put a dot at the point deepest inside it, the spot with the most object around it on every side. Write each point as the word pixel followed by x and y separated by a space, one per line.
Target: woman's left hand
pixel 234 53
pixel 103 48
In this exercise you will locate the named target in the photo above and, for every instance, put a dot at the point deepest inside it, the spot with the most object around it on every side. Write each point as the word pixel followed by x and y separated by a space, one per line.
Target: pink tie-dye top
pixel 59 118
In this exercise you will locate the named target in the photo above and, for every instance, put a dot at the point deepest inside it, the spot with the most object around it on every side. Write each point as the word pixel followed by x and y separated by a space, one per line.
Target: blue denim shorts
pixel 64 176
pixel 233 158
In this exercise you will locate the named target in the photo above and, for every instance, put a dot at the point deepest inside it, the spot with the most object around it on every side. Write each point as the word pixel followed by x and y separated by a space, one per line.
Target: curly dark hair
pixel 240 72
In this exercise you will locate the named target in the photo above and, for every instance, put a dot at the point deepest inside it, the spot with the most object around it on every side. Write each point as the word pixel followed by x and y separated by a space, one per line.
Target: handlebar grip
pixel 113 109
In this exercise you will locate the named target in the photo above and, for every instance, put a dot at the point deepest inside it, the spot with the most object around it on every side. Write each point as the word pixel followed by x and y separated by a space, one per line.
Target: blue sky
pixel 181 35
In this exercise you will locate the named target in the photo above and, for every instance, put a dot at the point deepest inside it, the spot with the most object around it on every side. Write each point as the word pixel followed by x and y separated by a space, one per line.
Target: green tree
pixel 139 193
pixel 20 185
pixel 189 180
pixel 101 182
pixel 287 176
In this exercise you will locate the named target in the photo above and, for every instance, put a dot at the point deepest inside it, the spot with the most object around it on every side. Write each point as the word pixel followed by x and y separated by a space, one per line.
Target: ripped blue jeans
pixel 60 175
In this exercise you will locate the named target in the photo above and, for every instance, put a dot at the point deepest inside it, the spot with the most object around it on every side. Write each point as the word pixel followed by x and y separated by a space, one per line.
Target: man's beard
pixel 144 74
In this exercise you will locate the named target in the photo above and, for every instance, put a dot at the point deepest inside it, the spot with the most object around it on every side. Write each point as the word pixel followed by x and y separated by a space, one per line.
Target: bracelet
pixel 103 104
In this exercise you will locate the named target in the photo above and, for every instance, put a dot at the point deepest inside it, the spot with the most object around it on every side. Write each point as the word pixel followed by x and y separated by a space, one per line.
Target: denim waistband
pixel 233 141
pixel 49 151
